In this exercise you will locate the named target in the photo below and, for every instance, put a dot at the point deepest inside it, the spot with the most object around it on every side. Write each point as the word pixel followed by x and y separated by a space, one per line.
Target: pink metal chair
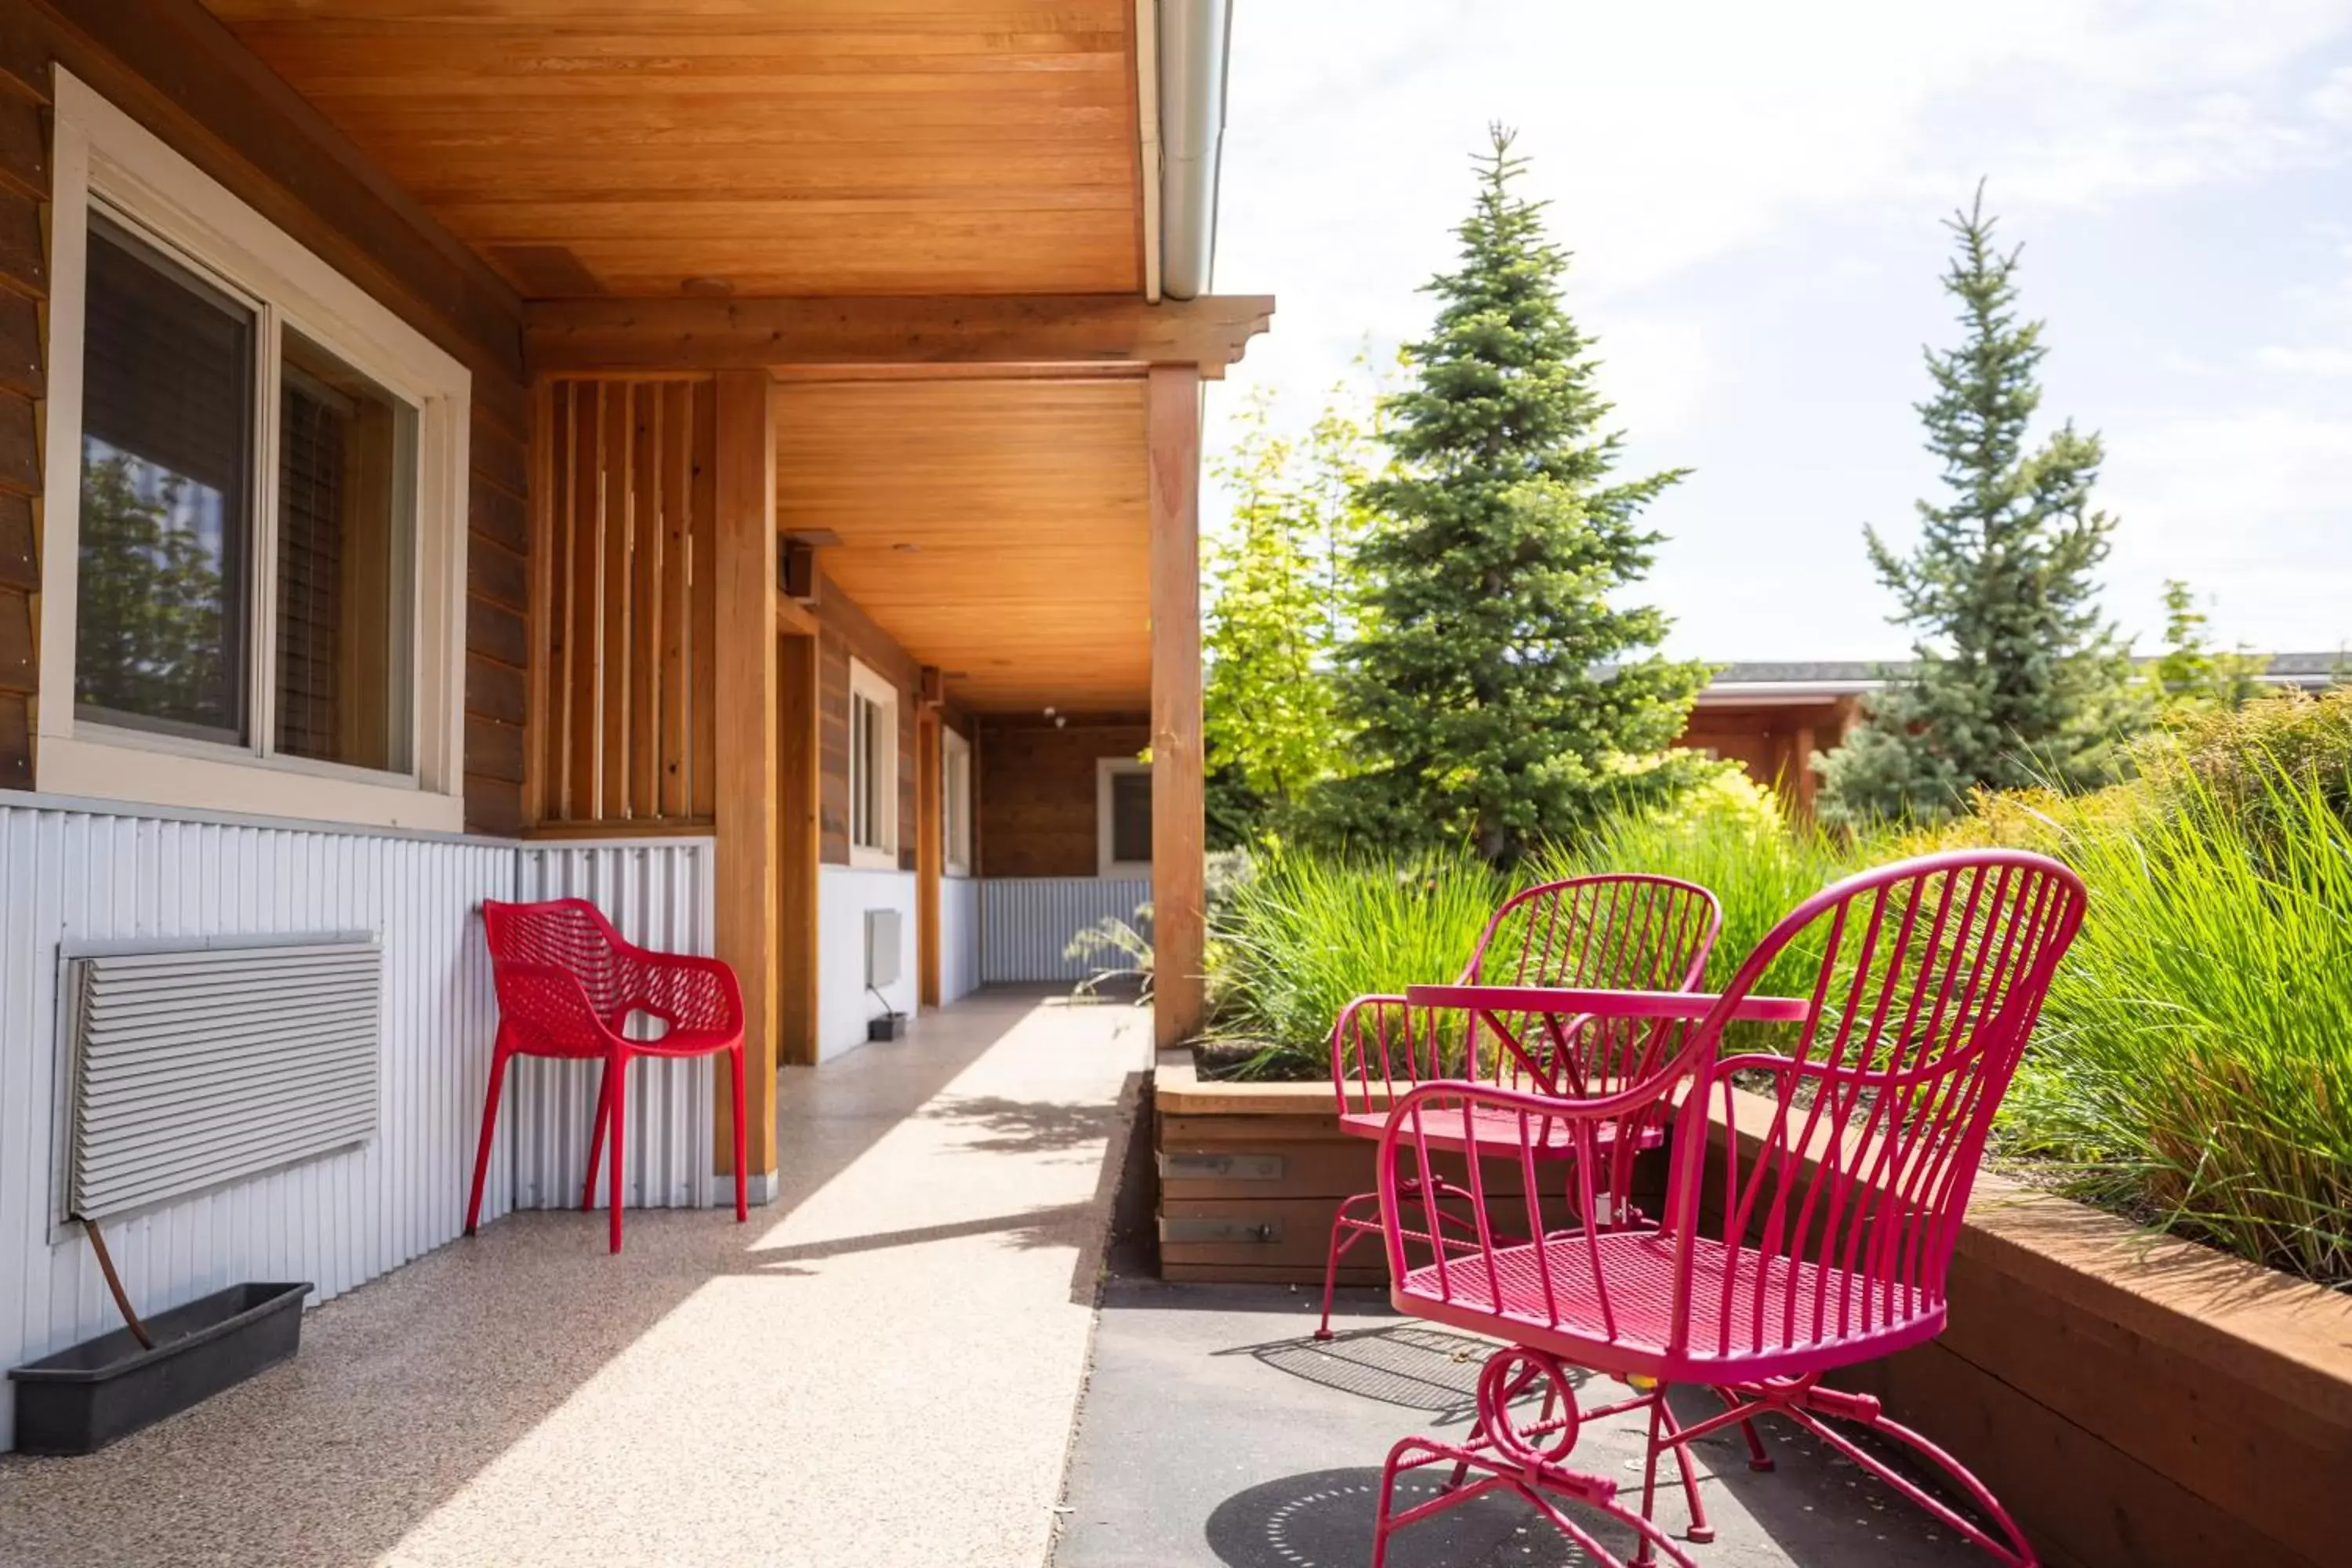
pixel 1811 1214
pixel 568 984
pixel 1624 931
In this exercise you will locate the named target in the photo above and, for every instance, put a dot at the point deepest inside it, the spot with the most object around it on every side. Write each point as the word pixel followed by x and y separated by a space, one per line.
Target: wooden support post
pixel 744 568
pixel 930 851
pixel 796 821
pixel 1179 867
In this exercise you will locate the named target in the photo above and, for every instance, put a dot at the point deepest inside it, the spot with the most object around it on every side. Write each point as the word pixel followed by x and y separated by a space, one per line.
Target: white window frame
pixel 873 687
pixel 955 759
pixel 1107 769
pixel 100 154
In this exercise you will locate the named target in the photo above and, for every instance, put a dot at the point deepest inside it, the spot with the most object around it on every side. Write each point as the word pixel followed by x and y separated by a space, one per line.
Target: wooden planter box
pixel 2136 1402
pixel 1250 1175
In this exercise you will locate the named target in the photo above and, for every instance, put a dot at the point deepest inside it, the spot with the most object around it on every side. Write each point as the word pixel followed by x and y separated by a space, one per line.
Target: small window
pixel 1123 817
pixel 162 625
pixel 955 802
pixel 254 595
pixel 872 769
pixel 346 527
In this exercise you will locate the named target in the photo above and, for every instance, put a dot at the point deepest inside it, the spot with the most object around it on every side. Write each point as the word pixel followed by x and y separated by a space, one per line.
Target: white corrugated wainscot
pixel 73 871
pixel 958 937
pixel 1027 924
pixel 659 892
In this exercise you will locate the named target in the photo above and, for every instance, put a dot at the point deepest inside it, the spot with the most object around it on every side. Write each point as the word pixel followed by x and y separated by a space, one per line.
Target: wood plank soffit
pixel 573 336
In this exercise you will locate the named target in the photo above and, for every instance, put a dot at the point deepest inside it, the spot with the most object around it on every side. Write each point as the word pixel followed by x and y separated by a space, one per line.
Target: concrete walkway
pixel 878 1369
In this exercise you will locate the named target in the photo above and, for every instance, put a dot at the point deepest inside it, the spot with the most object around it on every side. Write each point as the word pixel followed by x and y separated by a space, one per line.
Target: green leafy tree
pixel 1281 588
pixel 2016 680
pixel 2190 675
pixel 1498 693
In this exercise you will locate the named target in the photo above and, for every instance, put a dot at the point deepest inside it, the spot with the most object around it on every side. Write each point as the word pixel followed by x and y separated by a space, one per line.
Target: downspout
pixel 1146 114
pixel 1195 38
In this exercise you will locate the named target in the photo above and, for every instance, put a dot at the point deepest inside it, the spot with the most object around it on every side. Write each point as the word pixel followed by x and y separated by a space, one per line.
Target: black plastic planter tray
pixel 83 1398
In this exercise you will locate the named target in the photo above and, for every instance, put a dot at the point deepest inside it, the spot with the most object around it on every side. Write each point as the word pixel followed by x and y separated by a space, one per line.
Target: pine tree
pixel 2016 680
pixel 1499 696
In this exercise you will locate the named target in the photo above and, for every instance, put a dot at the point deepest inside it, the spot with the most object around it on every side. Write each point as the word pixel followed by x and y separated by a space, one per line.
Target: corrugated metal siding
pixel 340 1220
pixel 660 893
pixel 1026 921
pixel 74 876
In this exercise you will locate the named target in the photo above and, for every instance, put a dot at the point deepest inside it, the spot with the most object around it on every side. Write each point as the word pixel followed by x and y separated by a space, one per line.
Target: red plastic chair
pixel 1620 930
pixel 567 985
pixel 1808 1223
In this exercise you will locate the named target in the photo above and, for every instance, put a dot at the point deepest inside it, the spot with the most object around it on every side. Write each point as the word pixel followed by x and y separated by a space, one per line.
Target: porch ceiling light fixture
pixel 707 288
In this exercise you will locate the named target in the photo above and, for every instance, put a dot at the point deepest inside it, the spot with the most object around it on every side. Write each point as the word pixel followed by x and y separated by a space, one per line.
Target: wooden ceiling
pixel 1024 503
pixel 803 147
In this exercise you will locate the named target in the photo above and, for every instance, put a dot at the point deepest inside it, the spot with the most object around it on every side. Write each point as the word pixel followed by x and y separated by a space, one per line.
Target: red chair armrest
pixel 689 991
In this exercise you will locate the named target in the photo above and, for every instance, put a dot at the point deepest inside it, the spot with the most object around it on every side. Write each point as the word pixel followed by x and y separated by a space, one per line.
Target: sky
pixel 1753 195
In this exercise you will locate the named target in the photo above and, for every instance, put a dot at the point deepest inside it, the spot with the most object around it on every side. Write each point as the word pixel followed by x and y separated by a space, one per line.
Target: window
pixel 872 769
pixel 955 802
pixel 255 494
pixel 1123 817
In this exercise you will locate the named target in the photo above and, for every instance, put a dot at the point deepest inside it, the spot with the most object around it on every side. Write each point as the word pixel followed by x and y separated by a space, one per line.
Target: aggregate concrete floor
pixel 880 1369
pixel 1216 1433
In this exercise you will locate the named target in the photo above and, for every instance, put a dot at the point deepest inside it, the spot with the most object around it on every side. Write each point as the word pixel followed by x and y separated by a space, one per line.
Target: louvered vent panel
pixel 193 1070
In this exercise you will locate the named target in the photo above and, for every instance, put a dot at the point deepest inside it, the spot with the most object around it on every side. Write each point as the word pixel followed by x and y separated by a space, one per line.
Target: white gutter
pixel 1146 104
pixel 1193 39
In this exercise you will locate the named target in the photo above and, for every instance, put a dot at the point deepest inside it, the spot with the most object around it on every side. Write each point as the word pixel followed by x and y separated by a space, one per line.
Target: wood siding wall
pixel 629 639
pixel 24 285
pixel 174 69
pixel 845 631
pixel 497 617
pixel 1774 742
pixel 1037 792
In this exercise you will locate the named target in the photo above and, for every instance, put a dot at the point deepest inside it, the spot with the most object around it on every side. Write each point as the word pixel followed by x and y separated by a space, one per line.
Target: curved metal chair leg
pixel 1344 1236
pixel 2012 1549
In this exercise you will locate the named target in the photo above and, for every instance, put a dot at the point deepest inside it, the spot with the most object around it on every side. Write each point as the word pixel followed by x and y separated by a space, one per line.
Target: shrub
pixel 1306 934
pixel 2194 1064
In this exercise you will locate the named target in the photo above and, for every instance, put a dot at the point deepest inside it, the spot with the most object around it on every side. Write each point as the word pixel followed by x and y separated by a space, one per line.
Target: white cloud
pixel 2324 361
pixel 2333 99
pixel 2251 508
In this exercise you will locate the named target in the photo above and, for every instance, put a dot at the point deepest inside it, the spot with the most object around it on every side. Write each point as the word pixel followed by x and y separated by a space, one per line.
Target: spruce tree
pixel 2016 680
pixel 1499 696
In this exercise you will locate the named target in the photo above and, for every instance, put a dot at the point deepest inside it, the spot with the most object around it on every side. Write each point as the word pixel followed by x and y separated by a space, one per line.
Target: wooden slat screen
pixel 629 736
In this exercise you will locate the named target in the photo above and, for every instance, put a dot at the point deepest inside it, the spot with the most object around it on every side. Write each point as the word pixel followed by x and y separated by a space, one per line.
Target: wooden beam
pixel 594 335
pixel 797 823
pixel 744 567
pixel 1179 864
